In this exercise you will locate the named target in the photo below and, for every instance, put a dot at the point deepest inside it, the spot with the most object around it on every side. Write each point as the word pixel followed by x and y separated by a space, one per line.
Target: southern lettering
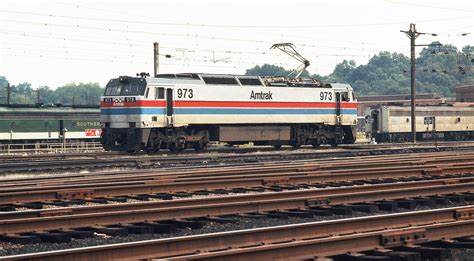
pixel 261 95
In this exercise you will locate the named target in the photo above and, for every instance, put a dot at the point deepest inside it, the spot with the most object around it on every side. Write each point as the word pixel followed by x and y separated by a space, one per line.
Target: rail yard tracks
pixel 61 162
pixel 251 176
pixel 298 241
pixel 68 208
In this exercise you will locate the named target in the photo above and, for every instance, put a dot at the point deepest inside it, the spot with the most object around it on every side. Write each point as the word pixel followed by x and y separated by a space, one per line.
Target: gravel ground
pixel 461 254
pixel 239 223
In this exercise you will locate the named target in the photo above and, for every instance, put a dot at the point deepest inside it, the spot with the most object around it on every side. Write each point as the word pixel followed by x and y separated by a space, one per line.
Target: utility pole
pixel 9 93
pixel 413 34
pixel 38 97
pixel 156 54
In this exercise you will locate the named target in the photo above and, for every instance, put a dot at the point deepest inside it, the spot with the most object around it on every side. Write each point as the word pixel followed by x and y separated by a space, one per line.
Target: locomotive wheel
pixel 277 147
pixel 199 146
pixel 152 149
pixel 296 144
pixel 133 150
pixel 322 139
pixel 176 150
pixel 334 142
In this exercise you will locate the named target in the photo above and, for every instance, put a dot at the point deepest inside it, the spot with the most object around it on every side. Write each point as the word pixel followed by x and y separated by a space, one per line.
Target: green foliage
pixel 69 94
pixel 272 70
pixel 389 73
pixel 81 93
pixel 3 89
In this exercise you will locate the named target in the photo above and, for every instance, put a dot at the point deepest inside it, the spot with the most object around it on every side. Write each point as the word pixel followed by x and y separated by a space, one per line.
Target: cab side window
pixel 159 93
pixel 345 97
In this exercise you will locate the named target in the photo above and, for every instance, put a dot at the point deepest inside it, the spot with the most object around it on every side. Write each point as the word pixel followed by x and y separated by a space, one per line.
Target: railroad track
pixel 271 176
pixel 299 241
pixel 301 201
pixel 219 148
pixel 114 160
pixel 167 199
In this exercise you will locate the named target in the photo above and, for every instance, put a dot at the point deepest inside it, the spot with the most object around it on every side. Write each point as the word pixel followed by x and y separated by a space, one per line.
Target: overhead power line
pixel 87 27
pixel 222 25
pixel 432 6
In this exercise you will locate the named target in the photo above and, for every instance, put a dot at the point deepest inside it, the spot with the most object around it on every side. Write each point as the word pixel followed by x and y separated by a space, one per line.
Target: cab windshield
pixel 123 89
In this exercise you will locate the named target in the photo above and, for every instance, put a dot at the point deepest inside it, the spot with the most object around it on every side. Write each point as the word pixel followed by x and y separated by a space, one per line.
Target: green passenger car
pixel 18 124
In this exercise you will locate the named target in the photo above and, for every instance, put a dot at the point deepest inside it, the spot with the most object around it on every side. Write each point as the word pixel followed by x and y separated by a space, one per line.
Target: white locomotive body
pixel 176 111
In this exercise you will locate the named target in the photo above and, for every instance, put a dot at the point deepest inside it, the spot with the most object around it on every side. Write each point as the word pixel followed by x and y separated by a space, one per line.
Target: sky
pixel 55 42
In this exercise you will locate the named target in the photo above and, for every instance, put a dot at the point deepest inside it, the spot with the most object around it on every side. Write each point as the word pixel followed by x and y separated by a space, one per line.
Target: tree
pixel 69 94
pixel 22 93
pixel 3 89
pixel 272 70
pixel 267 70
pixel 81 93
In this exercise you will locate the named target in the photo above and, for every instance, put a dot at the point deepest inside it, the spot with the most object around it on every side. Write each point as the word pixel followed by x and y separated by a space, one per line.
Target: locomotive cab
pixel 123 94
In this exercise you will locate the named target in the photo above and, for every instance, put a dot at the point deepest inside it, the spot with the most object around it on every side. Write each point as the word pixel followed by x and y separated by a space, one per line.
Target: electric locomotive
pixel 189 110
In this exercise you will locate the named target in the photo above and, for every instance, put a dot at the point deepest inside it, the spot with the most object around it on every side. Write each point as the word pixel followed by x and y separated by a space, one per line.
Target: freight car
pixel 20 123
pixel 178 111
pixel 392 123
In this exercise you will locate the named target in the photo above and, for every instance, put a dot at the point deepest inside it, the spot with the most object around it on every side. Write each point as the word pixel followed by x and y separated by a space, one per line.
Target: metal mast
pixel 156 58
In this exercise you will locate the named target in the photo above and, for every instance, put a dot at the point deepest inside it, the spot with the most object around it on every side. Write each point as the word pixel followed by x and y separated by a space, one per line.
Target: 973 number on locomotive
pixel 185 93
pixel 325 96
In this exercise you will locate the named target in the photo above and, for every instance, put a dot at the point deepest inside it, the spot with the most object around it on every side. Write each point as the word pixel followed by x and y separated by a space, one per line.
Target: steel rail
pixel 216 149
pixel 169 210
pixel 322 238
pixel 307 193
pixel 127 188
pixel 340 245
pixel 134 161
pixel 176 174
pixel 212 175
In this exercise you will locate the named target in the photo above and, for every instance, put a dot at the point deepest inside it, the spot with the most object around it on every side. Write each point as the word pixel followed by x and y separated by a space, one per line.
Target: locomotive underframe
pixel 198 136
